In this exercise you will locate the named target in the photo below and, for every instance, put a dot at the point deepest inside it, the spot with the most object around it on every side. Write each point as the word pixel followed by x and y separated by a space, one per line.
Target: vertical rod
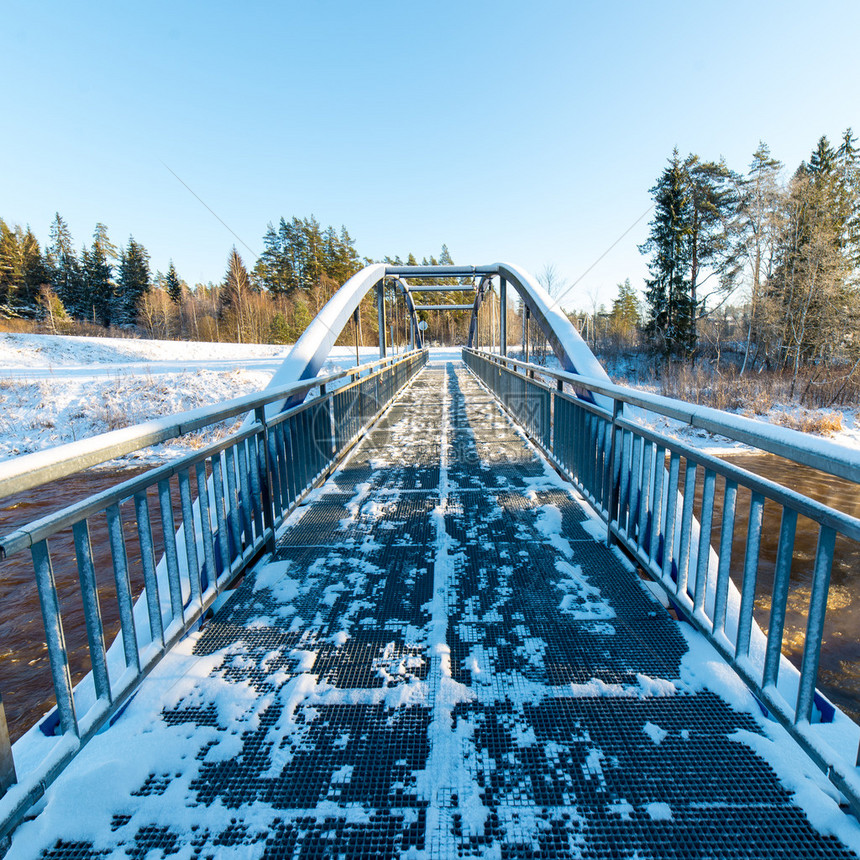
pixel 252 461
pixel 686 526
pixel 657 505
pixel 233 495
pixel 264 466
pixel 380 313
pixel 784 555
pixel 705 525
pixel 189 530
pixel 635 487
pixel 727 533
pixel 92 611
pixel 355 334
pixel 645 495
pixel 671 509
pixel 54 638
pixel 147 558
pixel 170 555
pixel 246 504
pixel 526 334
pixel 815 623
pixel 626 476
pixel 750 575
pixel 205 527
pixel 612 490
pixel 8 777
pixel 223 536
pixel 123 588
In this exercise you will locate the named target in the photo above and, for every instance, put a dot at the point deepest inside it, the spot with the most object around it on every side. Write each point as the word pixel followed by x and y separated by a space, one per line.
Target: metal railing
pixel 229 498
pixel 658 496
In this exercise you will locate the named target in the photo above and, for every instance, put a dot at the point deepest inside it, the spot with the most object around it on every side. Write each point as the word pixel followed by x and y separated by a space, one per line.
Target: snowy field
pixel 56 389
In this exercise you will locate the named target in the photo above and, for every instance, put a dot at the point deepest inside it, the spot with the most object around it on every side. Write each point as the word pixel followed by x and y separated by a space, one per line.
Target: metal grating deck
pixel 442 662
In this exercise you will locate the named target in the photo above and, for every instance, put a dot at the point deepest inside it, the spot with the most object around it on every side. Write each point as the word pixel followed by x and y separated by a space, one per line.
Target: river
pixel 839 670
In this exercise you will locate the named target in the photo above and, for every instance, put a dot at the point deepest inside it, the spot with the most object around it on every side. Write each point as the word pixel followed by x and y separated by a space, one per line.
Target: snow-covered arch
pixel 311 350
pixel 313 347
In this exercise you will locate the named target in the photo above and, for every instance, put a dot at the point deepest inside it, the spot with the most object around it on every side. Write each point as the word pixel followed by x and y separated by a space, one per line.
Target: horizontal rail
pixel 444 308
pixel 32 470
pixel 794 445
pixel 228 500
pixel 394 270
pixel 442 288
pixel 658 498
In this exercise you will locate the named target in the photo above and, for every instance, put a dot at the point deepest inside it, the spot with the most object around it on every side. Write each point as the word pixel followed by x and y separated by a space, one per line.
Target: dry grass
pixel 820 423
pixel 755 392
pixel 808 400
pixel 18 326
pixel 78 328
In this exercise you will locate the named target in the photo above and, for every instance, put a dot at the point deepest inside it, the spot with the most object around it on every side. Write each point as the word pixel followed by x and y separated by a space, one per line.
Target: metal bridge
pixel 459 606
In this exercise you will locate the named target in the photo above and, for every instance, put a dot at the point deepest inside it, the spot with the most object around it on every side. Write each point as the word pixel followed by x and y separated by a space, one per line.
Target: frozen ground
pixel 57 389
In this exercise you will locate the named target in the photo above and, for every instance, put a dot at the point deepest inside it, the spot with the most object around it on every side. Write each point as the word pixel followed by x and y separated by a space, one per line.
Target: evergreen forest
pixel 105 288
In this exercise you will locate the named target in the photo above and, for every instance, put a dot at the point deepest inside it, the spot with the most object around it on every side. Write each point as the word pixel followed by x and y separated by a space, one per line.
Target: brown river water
pixel 25 675
pixel 25 679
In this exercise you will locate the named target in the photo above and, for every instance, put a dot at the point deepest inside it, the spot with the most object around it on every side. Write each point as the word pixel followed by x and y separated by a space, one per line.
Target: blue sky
pixel 528 132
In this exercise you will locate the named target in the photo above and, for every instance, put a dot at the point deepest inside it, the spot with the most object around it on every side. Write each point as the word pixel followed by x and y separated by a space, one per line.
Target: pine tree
pixel 624 316
pixel 64 269
pixel 712 202
pixel 301 318
pixel 35 274
pixel 134 282
pixel 11 267
pixel 173 284
pixel 99 286
pixel 279 331
pixel 272 270
pixel 848 167
pixel 670 325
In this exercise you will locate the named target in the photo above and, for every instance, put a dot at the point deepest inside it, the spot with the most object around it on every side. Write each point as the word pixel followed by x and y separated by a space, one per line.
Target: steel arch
pixel 313 347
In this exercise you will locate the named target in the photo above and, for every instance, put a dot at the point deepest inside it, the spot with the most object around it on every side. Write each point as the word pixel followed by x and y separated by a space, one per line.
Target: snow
pixel 56 389
pixel 659 811
pixel 654 732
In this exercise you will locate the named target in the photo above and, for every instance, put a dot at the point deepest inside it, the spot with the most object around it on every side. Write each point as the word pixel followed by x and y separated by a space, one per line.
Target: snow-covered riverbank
pixel 57 389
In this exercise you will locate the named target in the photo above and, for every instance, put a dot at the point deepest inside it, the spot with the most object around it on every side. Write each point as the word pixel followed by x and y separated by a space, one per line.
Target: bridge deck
pixel 442 662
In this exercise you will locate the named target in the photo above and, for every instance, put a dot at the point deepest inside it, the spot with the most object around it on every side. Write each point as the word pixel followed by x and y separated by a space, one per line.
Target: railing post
pixel 612 494
pixel 380 312
pixel 8 777
pixel 266 481
pixel 332 426
pixel 503 316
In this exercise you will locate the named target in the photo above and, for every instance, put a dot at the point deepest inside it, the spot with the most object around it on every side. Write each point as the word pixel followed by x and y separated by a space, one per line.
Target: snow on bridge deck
pixel 441 662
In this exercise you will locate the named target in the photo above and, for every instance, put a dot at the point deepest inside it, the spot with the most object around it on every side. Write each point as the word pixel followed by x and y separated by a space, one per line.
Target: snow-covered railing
pixel 651 509
pixel 230 498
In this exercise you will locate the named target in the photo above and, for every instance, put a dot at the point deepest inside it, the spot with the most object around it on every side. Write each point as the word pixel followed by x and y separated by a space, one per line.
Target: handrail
pixel 230 496
pixel 649 507
pixel 821 454
pixel 32 470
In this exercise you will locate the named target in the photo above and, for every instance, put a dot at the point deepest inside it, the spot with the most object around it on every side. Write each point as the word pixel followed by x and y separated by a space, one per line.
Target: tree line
pixel 102 286
pixel 789 247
